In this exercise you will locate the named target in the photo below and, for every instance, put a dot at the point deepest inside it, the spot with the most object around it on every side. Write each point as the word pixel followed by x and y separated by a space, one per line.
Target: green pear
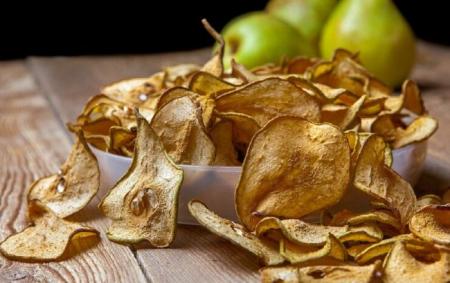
pixel 375 29
pixel 307 16
pixel 258 38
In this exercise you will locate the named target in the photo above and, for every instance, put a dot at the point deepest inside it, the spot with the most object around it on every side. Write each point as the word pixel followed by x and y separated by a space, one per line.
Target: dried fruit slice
pixel 432 223
pixel 310 169
pixel 420 129
pixel 269 98
pixel 234 233
pixel 46 239
pixel 180 128
pixel 74 186
pixel 206 84
pixel 300 232
pixel 143 204
pixel 322 273
pixel 373 177
pixel 401 266
pixel 222 136
pixel 379 216
pixel 303 253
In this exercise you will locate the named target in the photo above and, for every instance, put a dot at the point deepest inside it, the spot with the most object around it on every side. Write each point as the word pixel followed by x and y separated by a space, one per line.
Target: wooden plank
pixel 33 144
pixel 70 81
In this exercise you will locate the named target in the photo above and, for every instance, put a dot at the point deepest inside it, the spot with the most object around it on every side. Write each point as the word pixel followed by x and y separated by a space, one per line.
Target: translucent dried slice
pixel 180 128
pixel 381 248
pixel 373 177
pixel 269 98
pixel 234 233
pixel 143 203
pixel 74 186
pixel 222 136
pixel 174 93
pixel 244 128
pixel 303 253
pixel 344 119
pixel 99 141
pixel 134 91
pixel 401 266
pixel 120 137
pixel 379 216
pixel 46 239
pixel 413 100
pixel 432 223
pixel 310 169
pixel 300 232
pixel 322 274
pixel 206 84
pixel 420 129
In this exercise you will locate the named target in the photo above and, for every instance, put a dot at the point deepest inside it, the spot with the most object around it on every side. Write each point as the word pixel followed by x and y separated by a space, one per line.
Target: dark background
pixel 76 28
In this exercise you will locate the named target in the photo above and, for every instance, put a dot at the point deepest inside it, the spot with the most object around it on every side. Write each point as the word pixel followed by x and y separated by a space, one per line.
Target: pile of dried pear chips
pixel 307 133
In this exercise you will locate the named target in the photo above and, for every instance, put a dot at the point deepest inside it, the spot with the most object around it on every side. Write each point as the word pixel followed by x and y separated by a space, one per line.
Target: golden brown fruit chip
pixel 412 98
pixel 344 119
pixel 310 169
pixel 420 129
pixel 235 233
pixel 215 65
pixel 379 216
pixel 401 266
pixel 244 128
pixel 303 253
pixel 432 224
pixel 381 248
pixel 321 274
pixel 373 177
pixel 428 199
pixel 174 93
pixel 120 137
pixel 46 239
pixel 134 91
pixel 269 98
pixel 74 186
pixel 180 128
pixel 206 84
pixel 99 141
pixel 143 203
pixel 299 65
pixel 302 233
pixel 222 136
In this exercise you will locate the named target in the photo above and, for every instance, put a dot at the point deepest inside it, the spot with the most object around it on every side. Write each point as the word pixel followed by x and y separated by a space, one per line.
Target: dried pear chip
pixel 244 128
pixel 134 91
pixel 206 84
pixel 322 274
pixel 120 137
pixel 222 136
pixel 310 169
pixel 420 129
pixel 432 223
pixel 234 233
pixel 143 203
pixel 303 253
pixel 178 74
pixel 215 65
pixel 300 65
pixel 381 248
pixel 412 98
pixel 46 239
pixel 74 186
pixel 99 141
pixel 379 216
pixel 426 200
pixel 300 232
pixel 401 266
pixel 373 177
pixel 180 128
pixel 269 98
pixel 343 119
pixel 174 93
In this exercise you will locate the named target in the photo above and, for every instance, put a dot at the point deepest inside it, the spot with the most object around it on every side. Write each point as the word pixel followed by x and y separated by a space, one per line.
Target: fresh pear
pixel 307 16
pixel 375 29
pixel 258 38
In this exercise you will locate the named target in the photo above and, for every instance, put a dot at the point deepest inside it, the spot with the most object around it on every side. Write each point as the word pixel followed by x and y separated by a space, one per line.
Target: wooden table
pixel 39 95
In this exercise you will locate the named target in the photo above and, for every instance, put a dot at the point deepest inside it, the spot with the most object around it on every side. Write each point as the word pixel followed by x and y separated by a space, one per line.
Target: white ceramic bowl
pixel 214 185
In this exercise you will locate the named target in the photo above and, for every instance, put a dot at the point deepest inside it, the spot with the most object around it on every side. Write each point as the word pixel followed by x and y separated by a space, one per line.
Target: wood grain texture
pixel 33 144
